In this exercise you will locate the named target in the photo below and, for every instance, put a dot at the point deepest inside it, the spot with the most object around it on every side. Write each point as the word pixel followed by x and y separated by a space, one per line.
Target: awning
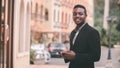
pixel 41 29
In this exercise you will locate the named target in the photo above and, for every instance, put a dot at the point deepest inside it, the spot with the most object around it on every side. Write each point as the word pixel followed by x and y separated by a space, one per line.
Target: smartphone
pixel 59 52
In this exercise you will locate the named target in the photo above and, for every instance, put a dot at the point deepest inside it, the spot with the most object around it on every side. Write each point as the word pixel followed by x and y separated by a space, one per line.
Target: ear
pixel 85 16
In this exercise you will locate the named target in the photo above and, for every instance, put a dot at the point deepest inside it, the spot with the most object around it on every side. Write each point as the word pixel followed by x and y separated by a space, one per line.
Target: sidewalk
pixel 115 53
pixel 52 66
pixel 47 66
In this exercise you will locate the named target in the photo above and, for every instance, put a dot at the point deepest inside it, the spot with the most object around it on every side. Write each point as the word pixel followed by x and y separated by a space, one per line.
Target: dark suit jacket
pixel 86 46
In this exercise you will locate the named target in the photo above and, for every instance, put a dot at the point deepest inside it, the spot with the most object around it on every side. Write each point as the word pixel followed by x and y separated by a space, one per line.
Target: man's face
pixel 79 15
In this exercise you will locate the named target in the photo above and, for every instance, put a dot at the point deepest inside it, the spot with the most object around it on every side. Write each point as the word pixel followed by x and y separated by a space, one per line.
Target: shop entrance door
pixel 6 33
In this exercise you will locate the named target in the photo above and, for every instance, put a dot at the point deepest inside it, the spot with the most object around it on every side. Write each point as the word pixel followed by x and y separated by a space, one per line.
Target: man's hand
pixel 68 55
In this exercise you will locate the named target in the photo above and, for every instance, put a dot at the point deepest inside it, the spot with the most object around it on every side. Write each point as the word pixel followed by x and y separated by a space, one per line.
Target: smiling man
pixel 84 42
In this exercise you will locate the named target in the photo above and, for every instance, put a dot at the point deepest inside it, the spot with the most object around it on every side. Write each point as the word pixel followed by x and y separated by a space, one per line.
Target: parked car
pixel 40 52
pixel 54 48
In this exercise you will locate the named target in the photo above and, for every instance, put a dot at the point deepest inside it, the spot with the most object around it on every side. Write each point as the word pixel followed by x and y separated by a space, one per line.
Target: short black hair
pixel 80 6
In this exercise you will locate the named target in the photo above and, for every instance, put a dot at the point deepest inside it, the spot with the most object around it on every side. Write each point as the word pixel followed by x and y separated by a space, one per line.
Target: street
pixel 54 63
pixel 115 53
pixel 59 62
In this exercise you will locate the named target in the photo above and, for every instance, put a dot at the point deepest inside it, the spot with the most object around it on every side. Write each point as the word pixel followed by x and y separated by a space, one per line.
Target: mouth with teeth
pixel 77 20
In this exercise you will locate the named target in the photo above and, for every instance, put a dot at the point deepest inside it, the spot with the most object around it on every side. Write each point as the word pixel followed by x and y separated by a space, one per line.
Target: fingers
pixel 67 54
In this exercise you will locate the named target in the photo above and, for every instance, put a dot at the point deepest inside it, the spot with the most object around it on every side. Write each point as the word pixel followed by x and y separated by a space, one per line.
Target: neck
pixel 79 25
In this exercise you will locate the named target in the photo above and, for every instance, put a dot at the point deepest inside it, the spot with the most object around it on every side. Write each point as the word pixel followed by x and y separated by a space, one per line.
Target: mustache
pixel 77 18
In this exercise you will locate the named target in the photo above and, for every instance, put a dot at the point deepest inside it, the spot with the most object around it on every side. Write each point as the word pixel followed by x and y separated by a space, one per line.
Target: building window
pixel 41 11
pixel 36 9
pixel 21 29
pixel 66 19
pixel 62 17
pixel 69 19
pixel 46 14
pixel 54 16
pixel 27 29
pixel 31 7
pixel 32 14
pixel 58 16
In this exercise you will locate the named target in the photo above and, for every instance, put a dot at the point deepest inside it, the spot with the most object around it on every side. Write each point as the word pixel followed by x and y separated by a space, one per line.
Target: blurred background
pixel 33 31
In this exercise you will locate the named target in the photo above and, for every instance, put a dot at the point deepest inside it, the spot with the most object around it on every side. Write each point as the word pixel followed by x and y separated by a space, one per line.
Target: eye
pixel 74 13
pixel 79 13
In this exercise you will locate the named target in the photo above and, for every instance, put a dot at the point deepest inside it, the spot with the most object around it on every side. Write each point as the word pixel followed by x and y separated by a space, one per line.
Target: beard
pixel 79 22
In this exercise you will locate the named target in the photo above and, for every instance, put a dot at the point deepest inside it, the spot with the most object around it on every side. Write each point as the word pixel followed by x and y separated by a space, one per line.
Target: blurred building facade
pixel 21 37
pixel 15 33
pixel 52 19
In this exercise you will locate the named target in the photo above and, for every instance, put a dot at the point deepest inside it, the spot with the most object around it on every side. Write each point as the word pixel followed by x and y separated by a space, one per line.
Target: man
pixel 84 42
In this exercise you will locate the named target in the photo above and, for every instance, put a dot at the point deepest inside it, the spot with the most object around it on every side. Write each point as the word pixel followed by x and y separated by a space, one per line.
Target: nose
pixel 77 15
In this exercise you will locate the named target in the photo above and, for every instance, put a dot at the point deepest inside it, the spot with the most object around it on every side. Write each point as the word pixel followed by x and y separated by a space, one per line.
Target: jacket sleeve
pixel 94 49
pixel 70 36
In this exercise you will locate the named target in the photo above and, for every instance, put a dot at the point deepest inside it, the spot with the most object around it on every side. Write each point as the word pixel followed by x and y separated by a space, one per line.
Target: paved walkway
pixel 47 66
pixel 101 64
pixel 52 66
